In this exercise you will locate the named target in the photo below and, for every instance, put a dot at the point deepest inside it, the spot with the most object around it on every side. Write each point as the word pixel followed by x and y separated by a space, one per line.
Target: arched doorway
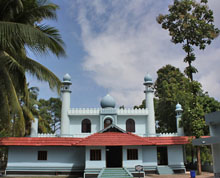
pixel 107 122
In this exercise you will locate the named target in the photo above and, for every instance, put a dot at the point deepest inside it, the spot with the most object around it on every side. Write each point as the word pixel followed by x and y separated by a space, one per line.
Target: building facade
pixel 213 121
pixel 92 139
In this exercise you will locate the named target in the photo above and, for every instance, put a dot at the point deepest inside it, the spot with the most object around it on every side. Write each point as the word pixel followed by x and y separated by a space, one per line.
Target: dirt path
pixel 187 175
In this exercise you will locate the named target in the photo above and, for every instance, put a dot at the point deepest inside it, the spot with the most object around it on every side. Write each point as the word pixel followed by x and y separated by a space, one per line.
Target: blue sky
pixel 112 44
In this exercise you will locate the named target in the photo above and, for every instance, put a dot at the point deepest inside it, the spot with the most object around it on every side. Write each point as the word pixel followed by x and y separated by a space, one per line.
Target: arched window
pixel 130 125
pixel 86 126
pixel 107 122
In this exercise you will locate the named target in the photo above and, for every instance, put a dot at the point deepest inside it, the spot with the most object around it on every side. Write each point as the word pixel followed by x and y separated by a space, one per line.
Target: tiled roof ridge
pixel 142 138
pixel 85 138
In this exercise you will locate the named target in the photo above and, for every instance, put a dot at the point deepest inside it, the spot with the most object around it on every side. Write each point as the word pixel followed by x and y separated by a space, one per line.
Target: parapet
pixel 97 111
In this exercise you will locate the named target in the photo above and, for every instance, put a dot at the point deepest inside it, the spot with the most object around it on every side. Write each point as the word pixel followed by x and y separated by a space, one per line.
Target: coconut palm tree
pixel 21 29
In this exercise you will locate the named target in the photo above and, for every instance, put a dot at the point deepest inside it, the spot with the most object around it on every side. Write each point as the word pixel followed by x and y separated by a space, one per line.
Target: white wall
pixel 93 163
pixel 216 156
pixel 76 124
pixel 149 155
pixel 57 157
pixel 140 122
pixel 132 163
pixel 175 155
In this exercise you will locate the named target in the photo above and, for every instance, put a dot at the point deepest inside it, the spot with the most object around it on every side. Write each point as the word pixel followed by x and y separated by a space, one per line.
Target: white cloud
pixel 123 42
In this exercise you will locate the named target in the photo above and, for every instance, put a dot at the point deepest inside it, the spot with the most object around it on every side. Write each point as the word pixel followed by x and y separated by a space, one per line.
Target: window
pixel 107 122
pixel 95 155
pixel 132 154
pixel 86 126
pixel 130 125
pixel 42 155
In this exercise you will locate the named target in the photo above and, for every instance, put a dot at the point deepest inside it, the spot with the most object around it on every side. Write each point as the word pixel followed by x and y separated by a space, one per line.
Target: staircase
pixel 114 172
pixel 164 170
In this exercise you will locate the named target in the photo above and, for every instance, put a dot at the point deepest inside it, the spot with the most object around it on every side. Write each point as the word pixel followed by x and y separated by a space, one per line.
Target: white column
pixel 179 111
pixel 65 123
pixel 34 127
pixel 151 115
pixel 180 130
pixel 149 94
pixel 64 113
pixel 216 160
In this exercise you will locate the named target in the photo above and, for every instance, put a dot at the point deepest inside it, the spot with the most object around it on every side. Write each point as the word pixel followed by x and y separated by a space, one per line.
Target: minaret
pixel 149 93
pixel 179 112
pixel 65 91
pixel 34 124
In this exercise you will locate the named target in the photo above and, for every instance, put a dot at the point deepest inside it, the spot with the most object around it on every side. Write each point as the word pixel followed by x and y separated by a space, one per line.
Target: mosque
pixel 96 141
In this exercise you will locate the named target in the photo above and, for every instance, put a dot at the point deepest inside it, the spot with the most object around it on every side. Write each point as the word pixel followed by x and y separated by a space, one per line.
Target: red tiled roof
pixel 97 139
pixel 113 139
pixel 38 141
pixel 181 140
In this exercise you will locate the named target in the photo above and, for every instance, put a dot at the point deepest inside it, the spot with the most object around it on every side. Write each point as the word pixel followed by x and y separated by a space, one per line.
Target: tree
pixel 21 29
pixel 191 24
pixel 172 87
pixel 51 110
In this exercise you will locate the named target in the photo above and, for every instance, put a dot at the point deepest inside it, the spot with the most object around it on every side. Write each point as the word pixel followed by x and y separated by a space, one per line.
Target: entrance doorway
pixel 113 156
pixel 162 157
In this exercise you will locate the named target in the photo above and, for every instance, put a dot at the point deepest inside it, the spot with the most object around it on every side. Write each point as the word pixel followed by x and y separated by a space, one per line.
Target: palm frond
pixel 28 113
pixel 41 72
pixel 13 99
pixel 35 11
pixel 9 61
pixel 9 9
pixel 4 109
pixel 15 36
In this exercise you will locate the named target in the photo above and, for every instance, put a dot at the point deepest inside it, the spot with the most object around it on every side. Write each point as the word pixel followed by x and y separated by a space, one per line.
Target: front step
pixel 164 170
pixel 114 172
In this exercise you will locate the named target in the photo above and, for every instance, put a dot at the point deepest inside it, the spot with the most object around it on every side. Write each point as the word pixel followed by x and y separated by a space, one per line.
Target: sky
pixel 112 44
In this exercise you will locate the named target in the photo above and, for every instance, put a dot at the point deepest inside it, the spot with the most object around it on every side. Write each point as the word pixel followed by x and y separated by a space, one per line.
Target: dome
pixel 107 102
pixel 67 78
pixel 179 107
pixel 35 106
pixel 148 79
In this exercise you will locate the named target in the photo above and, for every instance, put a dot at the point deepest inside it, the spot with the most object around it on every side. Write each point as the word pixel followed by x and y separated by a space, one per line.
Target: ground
pixel 187 175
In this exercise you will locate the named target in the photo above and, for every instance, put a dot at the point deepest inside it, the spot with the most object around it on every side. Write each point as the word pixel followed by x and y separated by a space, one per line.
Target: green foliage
pixel 20 29
pixel 50 110
pixel 191 24
pixel 206 155
pixel 172 87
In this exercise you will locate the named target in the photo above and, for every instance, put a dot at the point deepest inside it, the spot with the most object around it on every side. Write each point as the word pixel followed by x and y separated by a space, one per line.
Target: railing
pixel 159 135
pixel 82 135
pixel 131 111
pixel 46 135
pixel 97 111
pixel 84 111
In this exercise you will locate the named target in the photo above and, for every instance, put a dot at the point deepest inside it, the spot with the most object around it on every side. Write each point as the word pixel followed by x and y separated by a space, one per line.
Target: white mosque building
pixel 98 141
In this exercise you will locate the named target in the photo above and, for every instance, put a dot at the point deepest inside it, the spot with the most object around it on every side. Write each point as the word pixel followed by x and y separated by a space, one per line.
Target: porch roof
pixel 113 139
pixel 97 139
pixel 178 140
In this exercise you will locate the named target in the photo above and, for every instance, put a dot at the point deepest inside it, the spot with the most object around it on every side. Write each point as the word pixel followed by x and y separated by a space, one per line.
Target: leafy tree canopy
pixel 191 24
pixel 172 87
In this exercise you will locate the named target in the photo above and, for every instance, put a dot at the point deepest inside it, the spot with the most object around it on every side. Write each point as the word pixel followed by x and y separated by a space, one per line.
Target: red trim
pixel 97 139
